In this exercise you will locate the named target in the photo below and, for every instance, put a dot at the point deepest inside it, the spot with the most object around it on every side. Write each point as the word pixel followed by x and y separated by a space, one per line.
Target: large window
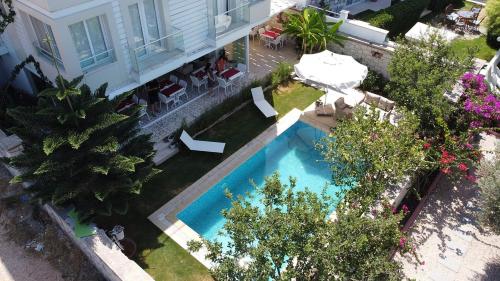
pixel 145 27
pixel 91 42
pixel 45 38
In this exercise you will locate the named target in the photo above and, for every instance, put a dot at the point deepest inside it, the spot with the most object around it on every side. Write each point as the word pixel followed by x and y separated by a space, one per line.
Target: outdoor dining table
pixel 466 14
pixel 231 74
pixel 276 30
pixel 270 34
pixel 165 84
pixel 200 74
pixel 125 104
pixel 172 90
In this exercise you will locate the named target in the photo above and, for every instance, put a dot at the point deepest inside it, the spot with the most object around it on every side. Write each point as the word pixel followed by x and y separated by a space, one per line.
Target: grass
pixel 483 51
pixel 160 256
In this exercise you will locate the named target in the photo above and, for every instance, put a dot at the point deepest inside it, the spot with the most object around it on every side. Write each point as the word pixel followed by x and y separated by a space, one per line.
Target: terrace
pixel 262 61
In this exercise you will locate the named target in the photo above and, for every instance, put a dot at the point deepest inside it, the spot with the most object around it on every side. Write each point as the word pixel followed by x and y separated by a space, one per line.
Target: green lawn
pixel 157 253
pixel 483 50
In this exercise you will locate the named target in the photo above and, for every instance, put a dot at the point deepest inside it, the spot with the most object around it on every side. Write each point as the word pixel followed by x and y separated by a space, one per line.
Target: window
pixel 43 33
pixel 144 26
pixel 91 42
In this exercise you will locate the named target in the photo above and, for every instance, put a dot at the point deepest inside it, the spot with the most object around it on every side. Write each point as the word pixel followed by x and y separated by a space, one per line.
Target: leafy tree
pixel 370 155
pixel 493 23
pixel 421 72
pixel 312 30
pixel 79 151
pixel 489 183
pixel 290 237
pixel 6 16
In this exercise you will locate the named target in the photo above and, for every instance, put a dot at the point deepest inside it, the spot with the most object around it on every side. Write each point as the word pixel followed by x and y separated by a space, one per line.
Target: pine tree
pixel 80 152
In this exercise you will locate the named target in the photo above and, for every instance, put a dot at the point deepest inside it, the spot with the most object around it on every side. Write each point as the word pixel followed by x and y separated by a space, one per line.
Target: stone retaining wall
pixel 103 253
pixel 375 56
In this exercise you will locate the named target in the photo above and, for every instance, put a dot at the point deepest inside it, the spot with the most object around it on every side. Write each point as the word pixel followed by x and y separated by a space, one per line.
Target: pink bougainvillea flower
pixel 405 209
pixel 463 167
pixel 470 178
pixel 426 145
pixel 402 242
pixel 446 170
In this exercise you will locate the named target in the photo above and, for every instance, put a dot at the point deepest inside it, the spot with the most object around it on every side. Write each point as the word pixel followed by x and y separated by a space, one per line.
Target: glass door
pixel 145 27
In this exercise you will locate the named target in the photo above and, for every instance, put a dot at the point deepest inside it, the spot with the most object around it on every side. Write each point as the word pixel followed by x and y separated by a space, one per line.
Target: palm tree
pixel 312 30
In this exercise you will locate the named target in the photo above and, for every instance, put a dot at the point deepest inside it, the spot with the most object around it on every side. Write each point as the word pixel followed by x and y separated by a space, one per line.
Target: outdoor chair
pixel 203 146
pixel 173 79
pixel 143 110
pixel 225 84
pixel 261 31
pixel 183 93
pixel 261 103
pixel 253 33
pixel 195 82
pixel 276 43
pixel 167 100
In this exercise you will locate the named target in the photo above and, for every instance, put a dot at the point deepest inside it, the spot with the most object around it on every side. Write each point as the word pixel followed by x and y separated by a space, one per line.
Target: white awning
pixel 422 31
pixel 331 70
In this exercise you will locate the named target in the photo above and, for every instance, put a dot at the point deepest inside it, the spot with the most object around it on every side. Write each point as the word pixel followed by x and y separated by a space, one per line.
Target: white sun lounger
pixel 205 146
pixel 261 103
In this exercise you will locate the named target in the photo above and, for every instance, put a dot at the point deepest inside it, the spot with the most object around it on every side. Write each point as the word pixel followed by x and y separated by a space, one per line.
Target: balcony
pixel 231 20
pixel 260 11
pixel 157 53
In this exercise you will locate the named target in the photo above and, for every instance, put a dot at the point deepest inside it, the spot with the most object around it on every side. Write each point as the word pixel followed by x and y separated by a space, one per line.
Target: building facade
pixel 124 43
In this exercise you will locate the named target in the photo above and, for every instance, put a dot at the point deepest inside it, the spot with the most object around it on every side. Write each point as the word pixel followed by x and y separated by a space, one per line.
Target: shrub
pixel 399 17
pixel 281 74
pixel 493 24
pixel 438 6
pixel 489 183
pixel 374 82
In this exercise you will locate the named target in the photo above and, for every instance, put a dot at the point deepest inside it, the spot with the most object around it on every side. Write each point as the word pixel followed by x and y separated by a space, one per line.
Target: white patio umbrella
pixel 331 70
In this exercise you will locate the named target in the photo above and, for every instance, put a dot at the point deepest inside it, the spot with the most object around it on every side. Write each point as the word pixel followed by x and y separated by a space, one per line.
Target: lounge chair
pixel 261 103
pixel 204 146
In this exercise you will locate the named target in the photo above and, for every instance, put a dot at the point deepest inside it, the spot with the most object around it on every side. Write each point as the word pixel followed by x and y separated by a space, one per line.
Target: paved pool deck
pixel 449 239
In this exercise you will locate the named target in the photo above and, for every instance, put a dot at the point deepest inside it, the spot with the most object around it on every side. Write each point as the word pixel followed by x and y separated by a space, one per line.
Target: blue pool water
pixel 292 154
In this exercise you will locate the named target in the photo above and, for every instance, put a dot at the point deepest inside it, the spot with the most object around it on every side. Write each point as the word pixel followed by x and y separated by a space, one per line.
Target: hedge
pixel 438 6
pixel 399 17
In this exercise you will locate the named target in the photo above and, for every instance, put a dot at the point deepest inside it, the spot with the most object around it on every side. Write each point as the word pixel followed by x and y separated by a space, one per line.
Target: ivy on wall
pixel 6 16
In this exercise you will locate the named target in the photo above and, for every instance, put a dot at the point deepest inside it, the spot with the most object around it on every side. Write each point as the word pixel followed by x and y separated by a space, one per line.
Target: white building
pixel 353 6
pixel 125 43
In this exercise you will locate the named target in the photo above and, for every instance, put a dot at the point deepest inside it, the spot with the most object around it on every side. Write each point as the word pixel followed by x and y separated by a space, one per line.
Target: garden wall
pixel 375 56
pixel 103 253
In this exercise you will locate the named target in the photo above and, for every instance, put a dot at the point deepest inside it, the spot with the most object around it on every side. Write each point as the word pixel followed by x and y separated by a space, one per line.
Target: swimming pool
pixel 292 154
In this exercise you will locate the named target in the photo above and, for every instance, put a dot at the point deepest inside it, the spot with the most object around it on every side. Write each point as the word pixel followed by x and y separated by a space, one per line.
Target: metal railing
pixel 158 51
pixel 97 60
pixel 327 12
pixel 231 20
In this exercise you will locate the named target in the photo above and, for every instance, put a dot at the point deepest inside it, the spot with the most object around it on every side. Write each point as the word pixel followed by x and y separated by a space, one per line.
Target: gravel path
pixel 16 263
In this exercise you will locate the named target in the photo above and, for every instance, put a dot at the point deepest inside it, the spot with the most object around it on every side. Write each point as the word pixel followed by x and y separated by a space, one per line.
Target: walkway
pixel 449 238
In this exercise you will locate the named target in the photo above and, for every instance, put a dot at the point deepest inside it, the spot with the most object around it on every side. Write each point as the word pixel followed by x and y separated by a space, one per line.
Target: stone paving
pixel 449 239
pixel 262 61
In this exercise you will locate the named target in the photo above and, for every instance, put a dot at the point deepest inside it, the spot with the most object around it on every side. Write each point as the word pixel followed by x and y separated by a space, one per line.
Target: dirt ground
pixel 32 248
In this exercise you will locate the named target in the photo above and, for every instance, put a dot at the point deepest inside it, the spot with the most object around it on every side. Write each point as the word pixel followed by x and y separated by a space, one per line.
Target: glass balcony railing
pixel 157 52
pixel 231 20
